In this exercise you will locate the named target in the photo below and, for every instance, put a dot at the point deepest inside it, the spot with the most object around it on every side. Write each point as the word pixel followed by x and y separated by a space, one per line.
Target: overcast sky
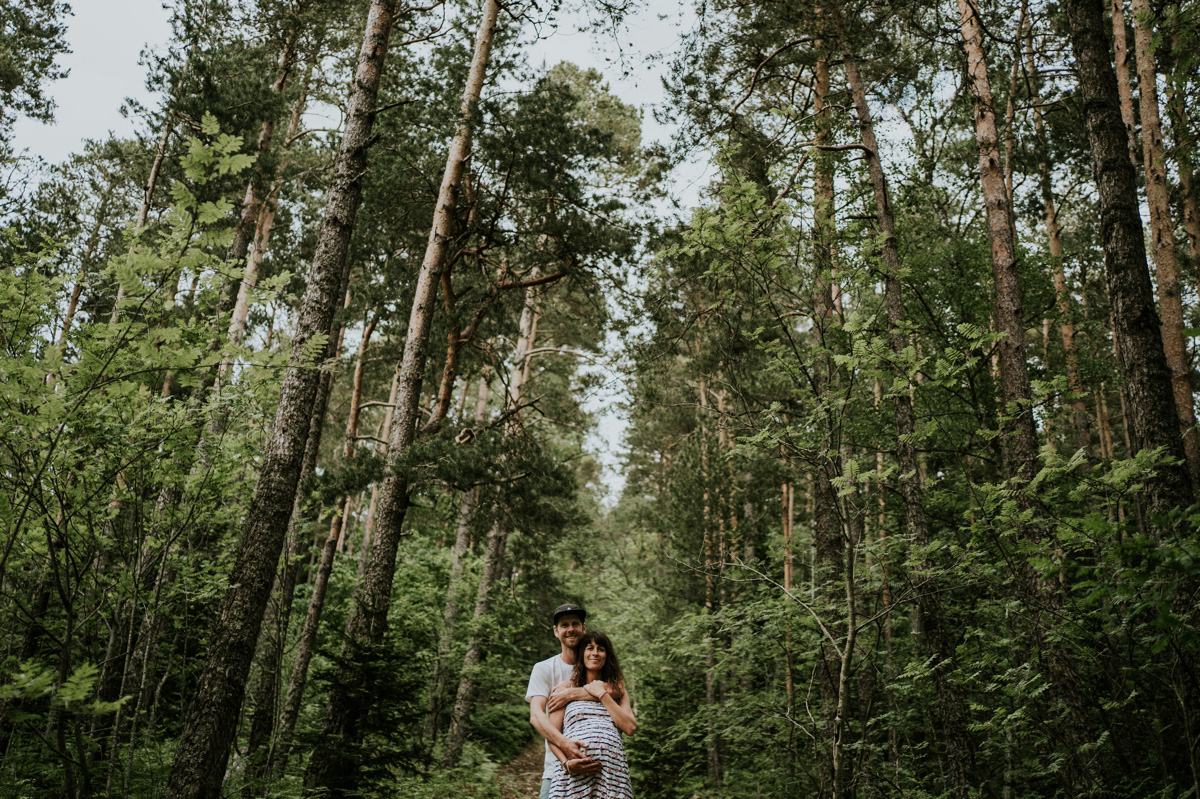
pixel 106 38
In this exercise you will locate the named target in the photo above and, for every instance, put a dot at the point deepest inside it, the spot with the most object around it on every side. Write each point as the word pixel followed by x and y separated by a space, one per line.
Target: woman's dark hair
pixel 610 673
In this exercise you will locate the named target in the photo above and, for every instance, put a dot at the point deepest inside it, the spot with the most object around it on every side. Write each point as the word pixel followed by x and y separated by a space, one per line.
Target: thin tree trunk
pixel 211 722
pixel 244 232
pixel 493 561
pixel 1020 445
pixel 712 739
pixel 962 763
pixel 1162 228
pixel 841 767
pixel 290 576
pixel 316 602
pixel 1182 149
pixel 384 433
pixel 459 718
pixel 367 623
pixel 1191 202
pixel 1124 85
pixel 85 263
pixel 144 212
pixel 1066 326
pixel 1106 444
pixel 462 541
pixel 828 566
pixel 1143 367
pixel 788 503
pixel 265 699
pixel 263 225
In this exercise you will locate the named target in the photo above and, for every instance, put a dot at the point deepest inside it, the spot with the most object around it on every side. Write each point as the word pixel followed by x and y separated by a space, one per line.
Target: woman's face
pixel 594 656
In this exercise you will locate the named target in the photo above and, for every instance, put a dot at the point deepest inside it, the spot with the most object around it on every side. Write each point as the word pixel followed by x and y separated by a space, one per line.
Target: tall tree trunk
pixel 248 218
pixel 842 771
pixel 384 433
pixel 712 748
pixel 316 602
pixel 462 542
pixel 1066 326
pixel 961 760
pixel 493 560
pixel 367 623
pixel 1143 366
pixel 1191 198
pixel 1162 229
pixel 203 749
pixel 1124 85
pixel 1183 150
pixel 828 564
pixel 265 698
pixel 263 224
pixel 1020 445
pixel 281 736
pixel 85 264
pixel 147 198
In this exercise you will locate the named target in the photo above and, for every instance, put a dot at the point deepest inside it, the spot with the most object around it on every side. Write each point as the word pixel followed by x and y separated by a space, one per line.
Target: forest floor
pixel 521 777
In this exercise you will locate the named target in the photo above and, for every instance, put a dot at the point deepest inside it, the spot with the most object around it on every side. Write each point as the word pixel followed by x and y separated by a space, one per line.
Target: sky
pixel 107 38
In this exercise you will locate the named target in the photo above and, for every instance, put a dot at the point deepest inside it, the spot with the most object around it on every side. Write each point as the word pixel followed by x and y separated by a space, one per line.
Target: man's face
pixel 568 629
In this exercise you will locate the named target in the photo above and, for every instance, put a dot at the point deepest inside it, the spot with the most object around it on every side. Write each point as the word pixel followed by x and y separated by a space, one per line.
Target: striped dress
pixel 589 722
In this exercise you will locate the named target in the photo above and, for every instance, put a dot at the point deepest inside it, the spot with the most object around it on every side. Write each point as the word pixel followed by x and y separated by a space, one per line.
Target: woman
pixel 595 723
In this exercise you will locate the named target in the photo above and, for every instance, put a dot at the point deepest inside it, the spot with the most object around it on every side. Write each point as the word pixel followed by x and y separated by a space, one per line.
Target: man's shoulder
pixel 547 664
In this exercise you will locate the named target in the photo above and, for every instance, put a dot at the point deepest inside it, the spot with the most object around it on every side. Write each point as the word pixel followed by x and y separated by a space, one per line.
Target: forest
pixel 300 444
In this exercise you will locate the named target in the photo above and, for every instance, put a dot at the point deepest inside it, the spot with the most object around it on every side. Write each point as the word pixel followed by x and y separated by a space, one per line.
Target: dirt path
pixel 521 777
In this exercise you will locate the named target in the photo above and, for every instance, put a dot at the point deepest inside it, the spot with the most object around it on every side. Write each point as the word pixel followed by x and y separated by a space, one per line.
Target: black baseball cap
pixel 569 609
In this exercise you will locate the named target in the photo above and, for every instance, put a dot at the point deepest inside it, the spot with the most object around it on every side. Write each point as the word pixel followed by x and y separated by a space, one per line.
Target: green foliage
pixel 31 38
pixel 761 361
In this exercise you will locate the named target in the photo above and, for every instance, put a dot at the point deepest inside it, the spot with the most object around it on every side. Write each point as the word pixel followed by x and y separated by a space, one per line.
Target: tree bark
pixel 459 718
pixel 1191 202
pixel 384 433
pixel 281 736
pixel 712 748
pixel 367 622
pixel 1124 85
pixel 203 749
pixel 828 565
pixel 1162 229
pixel 1142 362
pixel 1020 445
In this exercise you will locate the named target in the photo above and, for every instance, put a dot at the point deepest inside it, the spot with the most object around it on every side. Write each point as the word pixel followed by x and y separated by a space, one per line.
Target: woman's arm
pixel 620 710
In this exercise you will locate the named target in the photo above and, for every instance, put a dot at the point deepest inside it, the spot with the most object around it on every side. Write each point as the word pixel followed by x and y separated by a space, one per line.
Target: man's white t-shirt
pixel 545 675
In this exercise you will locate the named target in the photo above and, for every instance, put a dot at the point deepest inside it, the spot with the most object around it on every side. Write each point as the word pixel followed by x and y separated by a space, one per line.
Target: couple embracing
pixel 579 703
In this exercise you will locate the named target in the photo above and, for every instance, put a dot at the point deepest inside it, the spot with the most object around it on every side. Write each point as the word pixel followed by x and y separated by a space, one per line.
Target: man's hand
pixel 561 697
pixel 582 767
pixel 574 750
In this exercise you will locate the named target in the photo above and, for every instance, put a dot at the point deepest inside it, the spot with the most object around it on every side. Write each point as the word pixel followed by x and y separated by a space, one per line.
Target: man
pixel 543 699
